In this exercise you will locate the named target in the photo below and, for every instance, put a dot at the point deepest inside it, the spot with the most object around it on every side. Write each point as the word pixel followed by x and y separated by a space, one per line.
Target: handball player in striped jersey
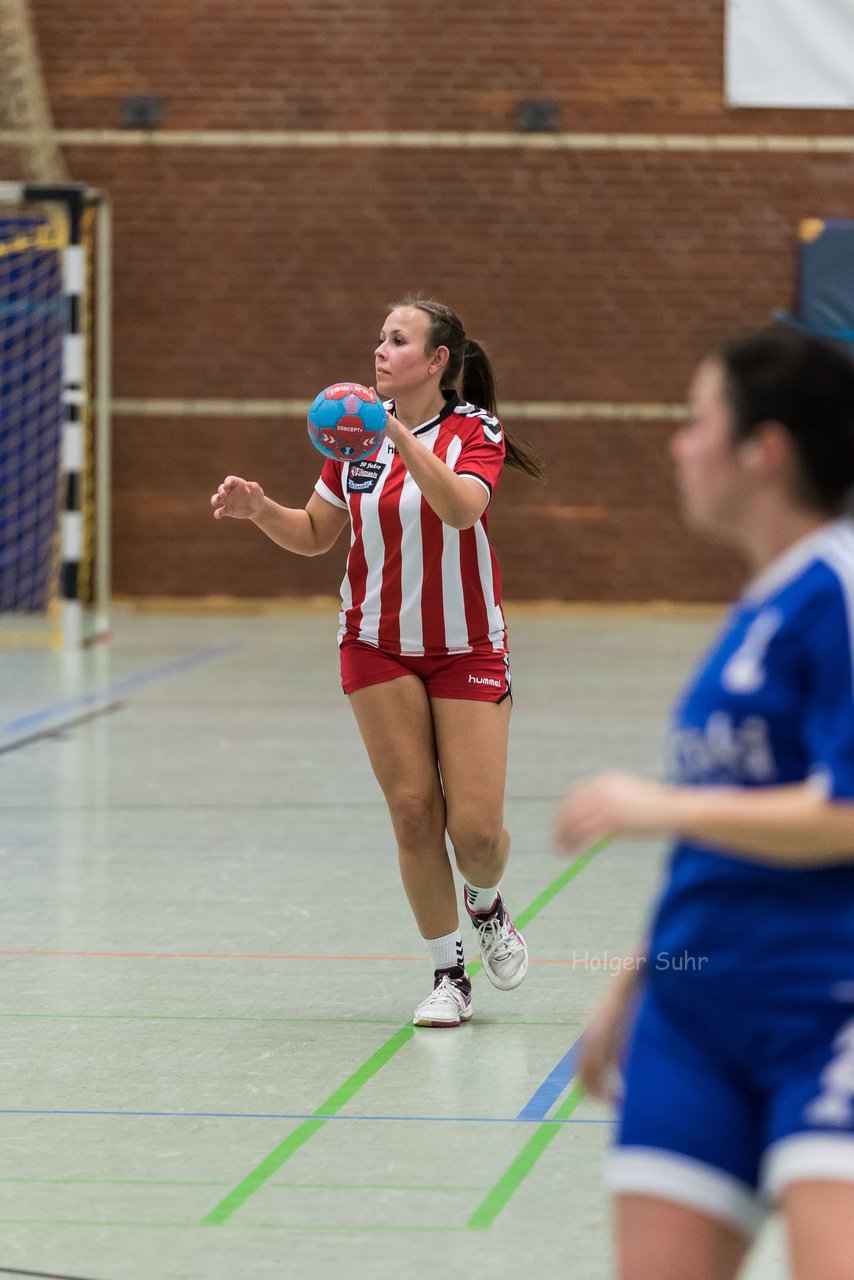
pixel 422 638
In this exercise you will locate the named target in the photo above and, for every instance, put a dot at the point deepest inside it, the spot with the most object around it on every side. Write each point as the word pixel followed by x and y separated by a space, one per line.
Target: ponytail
pixel 478 380
pixel 469 369
pixel 478 387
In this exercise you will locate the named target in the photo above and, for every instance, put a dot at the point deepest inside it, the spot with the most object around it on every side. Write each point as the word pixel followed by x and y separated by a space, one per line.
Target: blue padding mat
pixel 825 296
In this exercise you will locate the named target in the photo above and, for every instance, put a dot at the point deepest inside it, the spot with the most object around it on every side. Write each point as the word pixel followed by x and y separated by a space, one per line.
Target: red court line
pixel 224 955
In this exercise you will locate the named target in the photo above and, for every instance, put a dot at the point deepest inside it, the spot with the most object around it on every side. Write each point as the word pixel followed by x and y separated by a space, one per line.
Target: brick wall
pixel 244 272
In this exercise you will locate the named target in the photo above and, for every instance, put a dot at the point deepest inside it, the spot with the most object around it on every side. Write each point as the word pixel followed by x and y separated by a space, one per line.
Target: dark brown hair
pixel 807 385
pixel 469 371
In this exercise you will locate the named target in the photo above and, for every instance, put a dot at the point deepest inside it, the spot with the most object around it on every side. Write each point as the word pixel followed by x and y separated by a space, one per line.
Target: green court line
pixel 222 1211
pixel 575 868
pixel 510 1181
pixel 307 1129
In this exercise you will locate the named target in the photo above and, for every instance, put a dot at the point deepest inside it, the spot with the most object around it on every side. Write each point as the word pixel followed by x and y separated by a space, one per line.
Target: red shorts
pixel 477 677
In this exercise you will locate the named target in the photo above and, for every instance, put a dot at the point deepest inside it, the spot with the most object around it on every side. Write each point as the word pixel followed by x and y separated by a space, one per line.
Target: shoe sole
pixel 507 984
pixel 464 1017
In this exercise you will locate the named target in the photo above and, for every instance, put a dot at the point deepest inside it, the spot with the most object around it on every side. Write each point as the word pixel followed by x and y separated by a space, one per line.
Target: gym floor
pixel 208 965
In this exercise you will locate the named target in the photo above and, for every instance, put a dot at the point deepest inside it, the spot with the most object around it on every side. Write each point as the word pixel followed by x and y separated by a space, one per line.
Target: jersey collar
pixel 451 402
pixel 793 560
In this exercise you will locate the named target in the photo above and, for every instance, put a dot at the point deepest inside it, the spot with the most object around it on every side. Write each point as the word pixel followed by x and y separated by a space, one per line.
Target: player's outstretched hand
pixel 608 805
pixel 242 499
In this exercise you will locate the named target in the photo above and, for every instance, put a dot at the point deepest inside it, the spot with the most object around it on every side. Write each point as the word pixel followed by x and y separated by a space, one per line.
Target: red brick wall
pixel 592 275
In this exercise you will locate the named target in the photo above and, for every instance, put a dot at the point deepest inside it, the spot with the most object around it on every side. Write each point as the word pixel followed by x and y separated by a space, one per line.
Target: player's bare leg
pixel 396 725
pixel 820 1226
pixel 397 728
pixel 471 740
pixel 661 1240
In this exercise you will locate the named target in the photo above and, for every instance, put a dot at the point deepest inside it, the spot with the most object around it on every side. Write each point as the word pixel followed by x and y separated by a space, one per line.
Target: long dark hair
pixel 469 371
pixel 807 385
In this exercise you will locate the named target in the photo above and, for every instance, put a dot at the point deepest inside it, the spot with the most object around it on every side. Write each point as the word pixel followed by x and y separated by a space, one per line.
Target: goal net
pixel 54 541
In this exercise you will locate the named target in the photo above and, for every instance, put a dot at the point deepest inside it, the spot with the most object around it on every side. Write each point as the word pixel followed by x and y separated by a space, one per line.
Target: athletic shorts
pixel 475 677
pixel 725 1106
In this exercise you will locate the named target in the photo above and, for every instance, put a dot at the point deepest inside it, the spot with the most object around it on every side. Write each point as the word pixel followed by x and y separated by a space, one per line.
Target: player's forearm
pixel 289 527
pixel 457 500
pixel 631 974
pixel 787 826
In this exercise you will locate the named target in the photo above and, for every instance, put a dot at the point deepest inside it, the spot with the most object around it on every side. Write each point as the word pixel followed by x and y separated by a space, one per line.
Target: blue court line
pixel 537 1107
pixel 118 687
pixel 291 1115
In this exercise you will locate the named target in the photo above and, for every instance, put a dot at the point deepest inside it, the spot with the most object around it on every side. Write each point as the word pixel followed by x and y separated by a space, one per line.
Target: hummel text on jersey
pixel 496 684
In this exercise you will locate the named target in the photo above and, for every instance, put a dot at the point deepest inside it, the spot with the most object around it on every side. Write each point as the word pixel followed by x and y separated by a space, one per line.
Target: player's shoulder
pixel 835 548
pixel 815 573
pixel 470 421
pixel 827 580
pixel 332 466
pixel 815 606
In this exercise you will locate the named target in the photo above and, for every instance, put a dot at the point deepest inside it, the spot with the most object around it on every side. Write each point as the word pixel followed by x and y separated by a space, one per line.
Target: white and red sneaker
pixel 502 947
pixel 448 1004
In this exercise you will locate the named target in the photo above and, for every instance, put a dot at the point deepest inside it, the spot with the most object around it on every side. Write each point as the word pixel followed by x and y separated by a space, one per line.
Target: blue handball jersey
pixel 772 703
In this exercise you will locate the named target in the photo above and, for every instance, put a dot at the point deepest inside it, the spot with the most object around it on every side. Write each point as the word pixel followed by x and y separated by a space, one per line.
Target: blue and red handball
pixel 346 421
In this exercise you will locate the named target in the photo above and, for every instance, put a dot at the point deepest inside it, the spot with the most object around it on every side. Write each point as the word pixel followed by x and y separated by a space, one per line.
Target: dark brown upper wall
pixel 593 274
pixel 402 64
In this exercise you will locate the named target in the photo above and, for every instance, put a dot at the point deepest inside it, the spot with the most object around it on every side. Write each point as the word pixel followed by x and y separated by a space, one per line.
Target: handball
pixel 346 421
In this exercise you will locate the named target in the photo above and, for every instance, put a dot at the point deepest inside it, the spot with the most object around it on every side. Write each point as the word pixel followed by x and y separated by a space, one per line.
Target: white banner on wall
pixel 790 53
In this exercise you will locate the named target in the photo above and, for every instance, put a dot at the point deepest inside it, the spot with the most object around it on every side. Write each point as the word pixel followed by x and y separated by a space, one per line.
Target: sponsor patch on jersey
pixel 362 477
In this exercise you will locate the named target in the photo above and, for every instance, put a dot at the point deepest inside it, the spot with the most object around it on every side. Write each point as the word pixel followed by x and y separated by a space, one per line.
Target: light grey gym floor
pixel 208 967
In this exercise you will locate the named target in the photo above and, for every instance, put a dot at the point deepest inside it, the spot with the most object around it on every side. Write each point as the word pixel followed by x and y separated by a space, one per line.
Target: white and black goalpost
pixel 54 411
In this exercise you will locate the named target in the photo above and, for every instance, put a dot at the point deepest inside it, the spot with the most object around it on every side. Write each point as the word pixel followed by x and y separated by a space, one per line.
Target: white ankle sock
pixel 479 899
pixel 447 952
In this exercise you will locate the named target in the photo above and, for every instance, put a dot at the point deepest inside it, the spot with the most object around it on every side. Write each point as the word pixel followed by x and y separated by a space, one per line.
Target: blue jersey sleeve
pixel 829 697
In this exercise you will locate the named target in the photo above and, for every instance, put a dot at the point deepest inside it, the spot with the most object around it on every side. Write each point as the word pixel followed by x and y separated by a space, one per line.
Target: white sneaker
pixel 447 1005
pixel 502 948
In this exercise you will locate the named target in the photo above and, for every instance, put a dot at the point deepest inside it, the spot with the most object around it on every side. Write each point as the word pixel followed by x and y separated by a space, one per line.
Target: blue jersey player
pixel 735 1026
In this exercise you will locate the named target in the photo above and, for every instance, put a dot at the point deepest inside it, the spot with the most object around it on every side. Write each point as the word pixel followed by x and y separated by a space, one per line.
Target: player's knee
pixel 417 817
pixel 476 844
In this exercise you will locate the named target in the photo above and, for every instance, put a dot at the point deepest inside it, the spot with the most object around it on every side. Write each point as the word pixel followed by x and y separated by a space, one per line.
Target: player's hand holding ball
pixel 241 499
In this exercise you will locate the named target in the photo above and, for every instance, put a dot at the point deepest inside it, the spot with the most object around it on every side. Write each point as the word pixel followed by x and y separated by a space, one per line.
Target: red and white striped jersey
pixel 413 584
